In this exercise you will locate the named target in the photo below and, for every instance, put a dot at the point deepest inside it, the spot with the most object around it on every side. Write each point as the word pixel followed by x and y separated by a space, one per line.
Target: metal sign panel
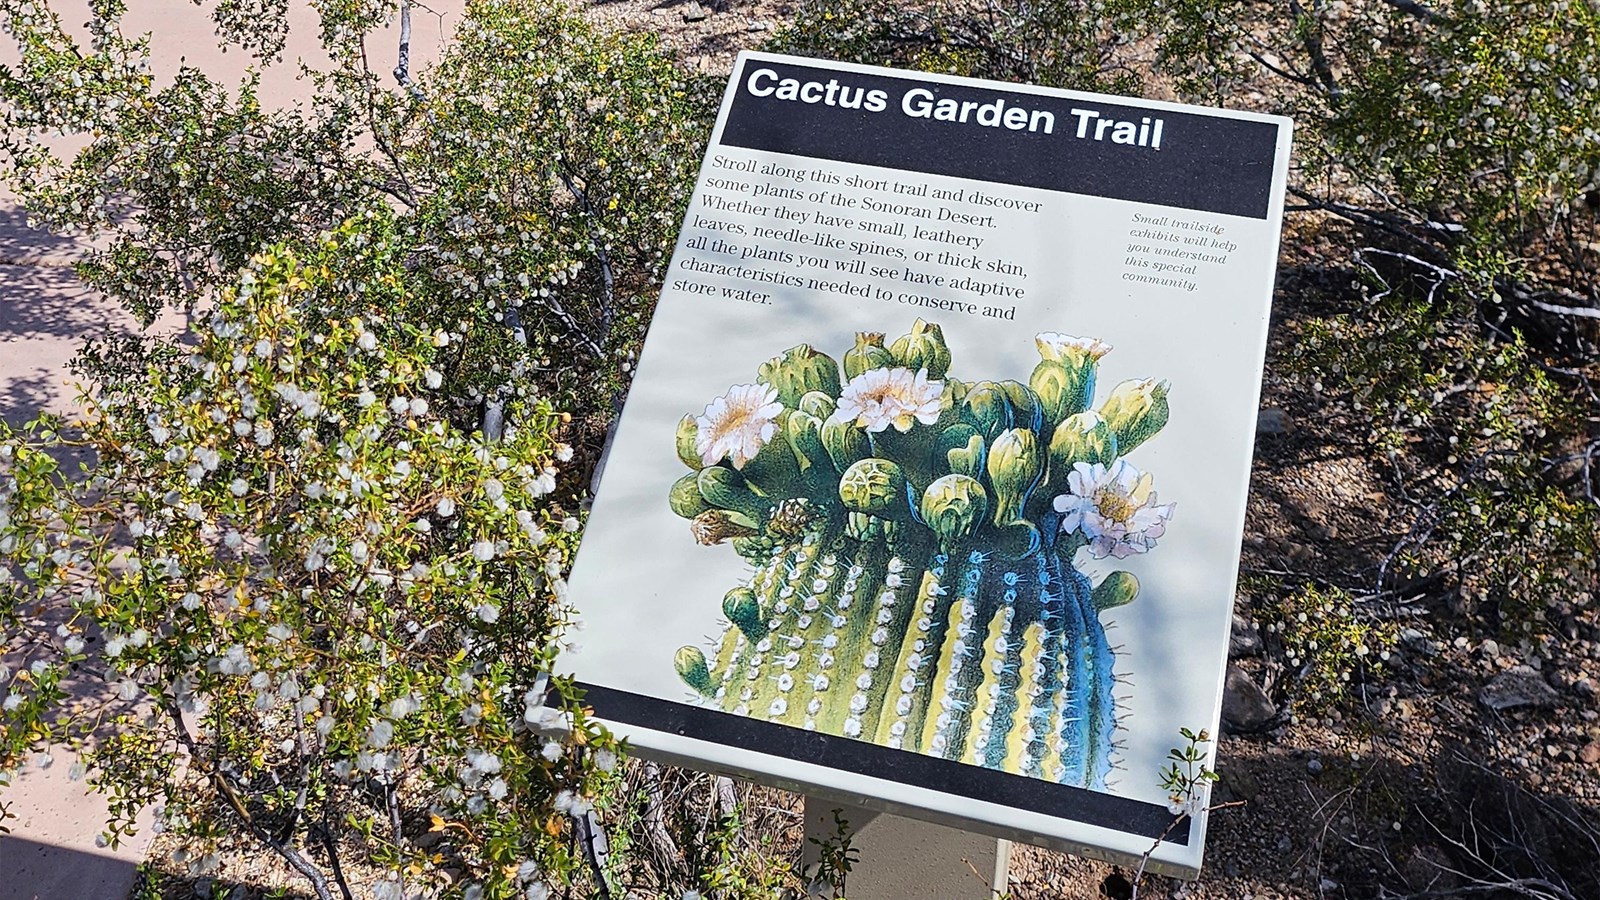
pixel 929 491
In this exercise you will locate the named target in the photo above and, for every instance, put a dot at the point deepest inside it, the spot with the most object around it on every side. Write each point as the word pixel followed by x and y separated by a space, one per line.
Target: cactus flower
pixel 879 398
pixel 736 425
pixel 1114 507
pixel 902 589
pixel 1064 377
pixel 1057 347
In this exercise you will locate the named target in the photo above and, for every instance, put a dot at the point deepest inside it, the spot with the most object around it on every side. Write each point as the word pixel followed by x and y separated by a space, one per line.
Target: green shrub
pixel 321 546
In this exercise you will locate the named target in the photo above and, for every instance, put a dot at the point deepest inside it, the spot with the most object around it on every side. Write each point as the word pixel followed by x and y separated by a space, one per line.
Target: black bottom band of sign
pixel 863 758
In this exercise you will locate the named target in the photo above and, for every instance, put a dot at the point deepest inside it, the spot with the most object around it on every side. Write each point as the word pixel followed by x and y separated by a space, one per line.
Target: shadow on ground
pixel 40 871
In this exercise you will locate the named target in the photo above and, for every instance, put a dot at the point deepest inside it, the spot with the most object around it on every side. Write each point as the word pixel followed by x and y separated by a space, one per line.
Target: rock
pixel 1590 753
pixel 1241 785
pixel 694 12
pixel 1245 639
pixel 1490 649
pixel 1272 421
pixel 1245 706
pixel 1314 767
pixel 1517 688
pixel 1584 687
pixel 1429 869
pixel 1412 639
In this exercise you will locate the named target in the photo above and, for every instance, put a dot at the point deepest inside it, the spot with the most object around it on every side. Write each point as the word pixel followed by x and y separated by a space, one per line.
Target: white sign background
pixel 643 587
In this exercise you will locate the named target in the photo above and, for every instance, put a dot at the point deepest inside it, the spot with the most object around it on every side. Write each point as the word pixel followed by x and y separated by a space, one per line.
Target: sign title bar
pixel 1143 154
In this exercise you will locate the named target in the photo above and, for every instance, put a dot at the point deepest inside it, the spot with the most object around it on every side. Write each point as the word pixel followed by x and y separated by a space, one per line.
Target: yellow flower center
pixel 737 417
pixel 1113 505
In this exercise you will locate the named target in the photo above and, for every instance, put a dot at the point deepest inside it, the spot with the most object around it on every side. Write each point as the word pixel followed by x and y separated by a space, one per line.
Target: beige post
pixel 907 859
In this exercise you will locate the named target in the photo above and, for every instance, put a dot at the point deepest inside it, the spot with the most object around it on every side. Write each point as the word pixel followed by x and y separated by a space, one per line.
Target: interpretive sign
pixel 929 491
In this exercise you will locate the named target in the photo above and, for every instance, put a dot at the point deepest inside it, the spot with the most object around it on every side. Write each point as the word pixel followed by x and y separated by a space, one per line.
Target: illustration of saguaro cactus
pixel 913 540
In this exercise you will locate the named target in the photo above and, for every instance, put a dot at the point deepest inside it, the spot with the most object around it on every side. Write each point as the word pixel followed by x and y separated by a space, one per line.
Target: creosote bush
pixel 332 606
pixel 1326 646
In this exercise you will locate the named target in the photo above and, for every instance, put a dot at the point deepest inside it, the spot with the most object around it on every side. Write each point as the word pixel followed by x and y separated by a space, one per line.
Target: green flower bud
pixel 1014 466
pixel 959 449
pixel 1063 390
pixel 873 486
pixel 1027 410
pixel 804 432
pixel 954 506
pixel 846 442
pixel 688 432
pixel 800 370
pixel 923 348
pixel 1135 411
pixel 744 610
pixel 1085 438
pixel 685 498
pixel 987 408
pixel 816 403
pixel 968 460
pixel 691 665
pixel 868 353
pixel 723 488
pixel 1118 589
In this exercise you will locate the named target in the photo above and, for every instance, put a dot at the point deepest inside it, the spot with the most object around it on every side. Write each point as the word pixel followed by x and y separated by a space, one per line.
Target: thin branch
pixel 402 67
pixel 1393 225
pixel 1179 819
pixel 607 276
pixel 655 828
pixel 218 780
pixel 1583 312
pixel 1312 40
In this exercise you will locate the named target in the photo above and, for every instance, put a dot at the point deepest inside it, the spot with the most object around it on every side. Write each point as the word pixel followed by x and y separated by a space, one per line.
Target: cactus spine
pixel 915 543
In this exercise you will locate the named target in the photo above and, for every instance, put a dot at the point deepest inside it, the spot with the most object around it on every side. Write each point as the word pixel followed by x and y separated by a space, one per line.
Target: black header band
pixel 1149 820
pixel 1079 146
